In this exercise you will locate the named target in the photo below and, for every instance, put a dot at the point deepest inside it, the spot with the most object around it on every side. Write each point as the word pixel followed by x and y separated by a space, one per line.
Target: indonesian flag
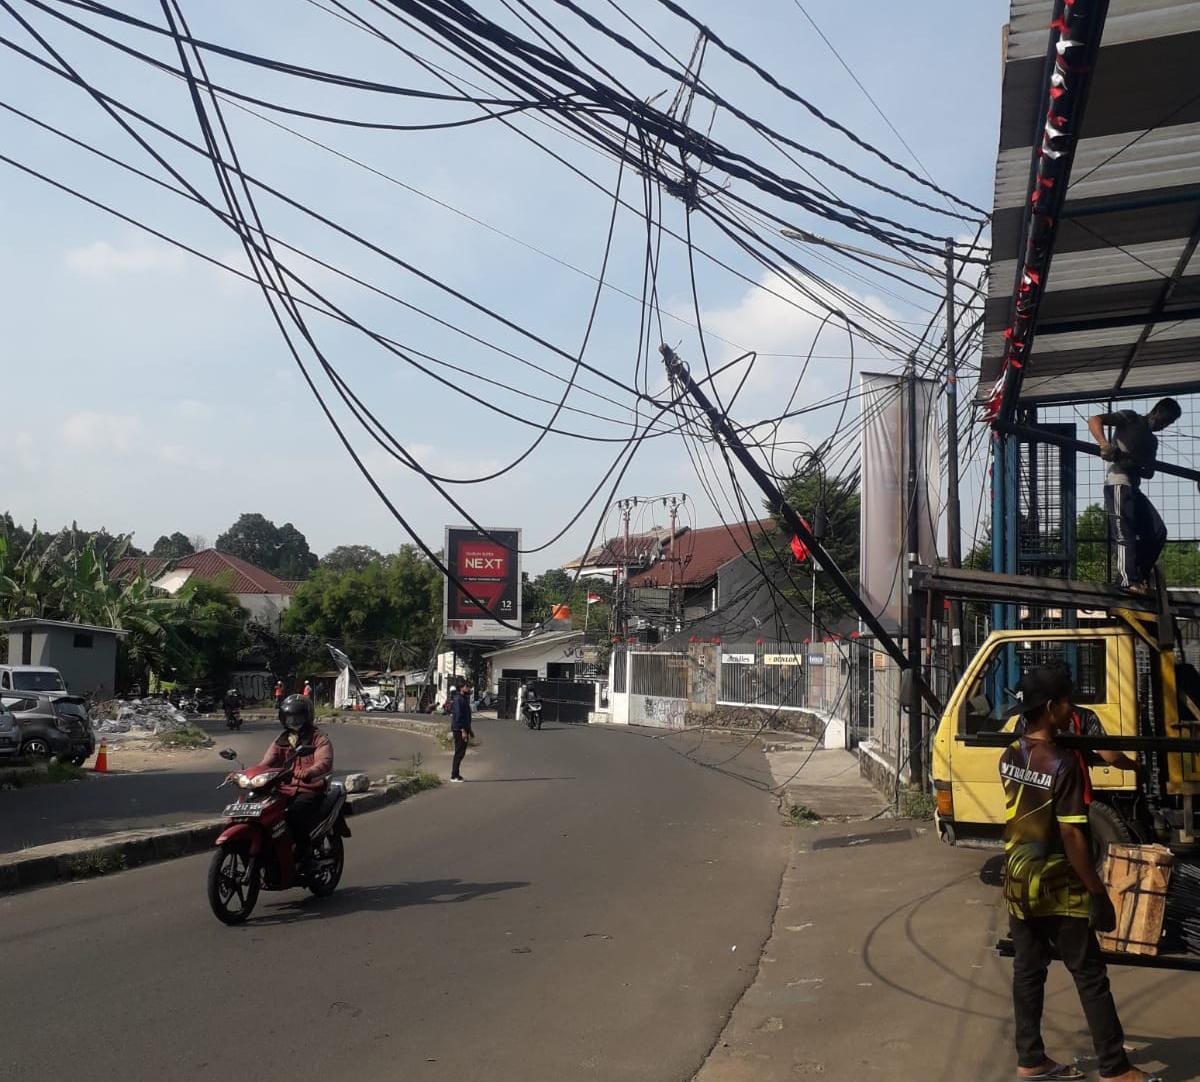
pixel 593 598
pixel 799 548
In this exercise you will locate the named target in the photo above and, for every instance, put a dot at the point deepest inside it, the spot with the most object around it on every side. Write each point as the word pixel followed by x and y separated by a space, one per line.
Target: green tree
pixel 207 635
pixel 350 558
pixel 282 550
pixel 384 615
pixel 807 491
pixel 173 547
pixel 553 587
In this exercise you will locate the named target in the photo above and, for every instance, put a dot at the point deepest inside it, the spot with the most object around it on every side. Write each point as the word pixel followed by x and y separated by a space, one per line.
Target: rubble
pixel 357 783
pixel 137 717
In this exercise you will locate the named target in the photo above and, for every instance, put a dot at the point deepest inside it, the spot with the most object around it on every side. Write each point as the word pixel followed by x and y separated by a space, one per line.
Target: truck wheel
pixel 947 832
pixel 1107 826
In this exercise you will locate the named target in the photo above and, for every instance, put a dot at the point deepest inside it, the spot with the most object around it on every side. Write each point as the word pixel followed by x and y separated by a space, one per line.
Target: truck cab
pixel 1131 683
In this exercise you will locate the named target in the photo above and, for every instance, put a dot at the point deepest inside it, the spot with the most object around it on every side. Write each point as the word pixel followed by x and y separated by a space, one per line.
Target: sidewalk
pixel 881 966
pixel 824 780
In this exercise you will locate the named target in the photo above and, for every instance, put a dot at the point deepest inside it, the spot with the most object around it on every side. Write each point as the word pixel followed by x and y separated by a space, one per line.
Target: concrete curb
pixel 91 857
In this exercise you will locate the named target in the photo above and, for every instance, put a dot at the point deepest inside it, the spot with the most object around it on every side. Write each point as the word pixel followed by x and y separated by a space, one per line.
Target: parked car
pixel 10 735
pixel 36 678
pixel 52 724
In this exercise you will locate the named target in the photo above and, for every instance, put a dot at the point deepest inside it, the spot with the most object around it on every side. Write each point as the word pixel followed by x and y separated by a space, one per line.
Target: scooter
pixel 233 717
pixel 532 709
pixel 255 850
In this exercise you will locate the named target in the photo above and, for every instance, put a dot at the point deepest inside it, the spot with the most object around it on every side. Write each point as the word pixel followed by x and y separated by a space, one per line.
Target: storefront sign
pixel 738 659
pixel 782 659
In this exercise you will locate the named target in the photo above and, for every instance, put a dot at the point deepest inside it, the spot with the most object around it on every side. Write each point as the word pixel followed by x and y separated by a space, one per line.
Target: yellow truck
pixel 1129 668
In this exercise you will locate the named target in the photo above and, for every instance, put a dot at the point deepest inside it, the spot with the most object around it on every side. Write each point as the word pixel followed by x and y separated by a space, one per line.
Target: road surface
pixel 590 904
pixel 185 788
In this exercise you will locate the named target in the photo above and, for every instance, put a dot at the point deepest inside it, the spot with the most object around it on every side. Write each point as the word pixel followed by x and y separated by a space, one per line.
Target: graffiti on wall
pixel 667 713
pixel 253 686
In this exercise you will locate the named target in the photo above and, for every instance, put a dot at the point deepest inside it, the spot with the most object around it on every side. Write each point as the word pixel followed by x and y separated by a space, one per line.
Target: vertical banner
pixel 883 542
pixel 488 564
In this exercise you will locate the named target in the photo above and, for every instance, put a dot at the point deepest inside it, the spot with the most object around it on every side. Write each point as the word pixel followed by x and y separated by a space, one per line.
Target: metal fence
pixel 658 674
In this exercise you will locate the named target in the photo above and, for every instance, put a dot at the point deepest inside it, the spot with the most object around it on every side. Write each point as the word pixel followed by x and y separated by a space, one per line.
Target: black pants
pixel 461 739
pixel 1080 952
pixel 303 814
pixel 1138 533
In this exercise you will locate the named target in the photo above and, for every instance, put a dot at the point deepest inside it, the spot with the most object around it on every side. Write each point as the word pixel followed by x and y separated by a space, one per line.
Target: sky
pixel 150 391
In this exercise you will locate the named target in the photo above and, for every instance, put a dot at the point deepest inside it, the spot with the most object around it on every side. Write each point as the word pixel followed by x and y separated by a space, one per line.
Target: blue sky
pixel 149 391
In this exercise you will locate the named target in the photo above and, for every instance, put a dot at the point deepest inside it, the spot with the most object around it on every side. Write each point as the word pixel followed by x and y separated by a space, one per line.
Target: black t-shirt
pixel 1136 445
pixel 1043 787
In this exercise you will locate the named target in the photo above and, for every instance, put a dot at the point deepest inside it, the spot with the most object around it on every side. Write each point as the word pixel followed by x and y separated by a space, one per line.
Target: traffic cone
pixel 101 766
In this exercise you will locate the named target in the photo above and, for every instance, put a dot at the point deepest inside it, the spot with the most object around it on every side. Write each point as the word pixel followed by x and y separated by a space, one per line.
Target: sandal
pixel 1061 1072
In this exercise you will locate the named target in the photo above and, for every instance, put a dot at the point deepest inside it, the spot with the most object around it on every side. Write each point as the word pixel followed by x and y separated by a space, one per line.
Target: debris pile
pixel 138 716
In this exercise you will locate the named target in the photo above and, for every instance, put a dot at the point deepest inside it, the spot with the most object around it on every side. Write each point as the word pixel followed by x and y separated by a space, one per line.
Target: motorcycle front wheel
pixel 329 859
pixel 233 883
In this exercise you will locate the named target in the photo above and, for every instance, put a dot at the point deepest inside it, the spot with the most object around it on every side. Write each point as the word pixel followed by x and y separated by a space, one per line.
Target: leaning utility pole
pixel 678 371
pixel 953 511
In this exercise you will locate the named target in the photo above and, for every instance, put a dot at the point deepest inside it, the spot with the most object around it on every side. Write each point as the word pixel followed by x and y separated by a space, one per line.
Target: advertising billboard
pixel 488 565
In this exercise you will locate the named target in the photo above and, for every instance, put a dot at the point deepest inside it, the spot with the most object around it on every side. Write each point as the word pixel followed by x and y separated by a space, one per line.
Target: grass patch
pixel 188 737
pixel 89 865
pixel 801 813
pixel 40 773
pixel 446 739
pixel 422 780
pixel 328 713
pixel 917 803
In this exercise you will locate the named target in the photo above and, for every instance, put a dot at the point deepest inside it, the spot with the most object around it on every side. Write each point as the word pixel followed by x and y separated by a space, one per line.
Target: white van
pixel 39 678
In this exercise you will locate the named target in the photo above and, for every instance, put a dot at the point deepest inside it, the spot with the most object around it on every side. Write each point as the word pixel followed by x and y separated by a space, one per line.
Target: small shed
pixel 85 655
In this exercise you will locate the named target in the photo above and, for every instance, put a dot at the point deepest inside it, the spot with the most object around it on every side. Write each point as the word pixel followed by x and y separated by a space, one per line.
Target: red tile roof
pixel 207 564
pixel 247 579
pixel 642 548
pixel 701 552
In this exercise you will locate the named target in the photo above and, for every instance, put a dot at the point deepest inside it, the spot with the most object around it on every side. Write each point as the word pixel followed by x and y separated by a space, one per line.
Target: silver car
pixel 51 725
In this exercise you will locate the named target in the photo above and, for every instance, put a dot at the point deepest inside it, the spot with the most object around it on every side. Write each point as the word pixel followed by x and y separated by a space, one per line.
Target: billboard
pixel 488 564
pixel 883 555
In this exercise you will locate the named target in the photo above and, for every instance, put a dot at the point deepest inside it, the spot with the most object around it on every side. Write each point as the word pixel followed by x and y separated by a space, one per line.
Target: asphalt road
pixel 184 790
pixel 590 904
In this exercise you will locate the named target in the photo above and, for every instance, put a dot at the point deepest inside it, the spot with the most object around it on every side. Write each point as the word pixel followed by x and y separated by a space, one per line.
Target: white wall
pixel 265 609
pixel 657 711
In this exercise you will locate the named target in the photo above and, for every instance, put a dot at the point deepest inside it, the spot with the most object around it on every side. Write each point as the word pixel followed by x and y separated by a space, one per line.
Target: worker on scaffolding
pixel 1130 448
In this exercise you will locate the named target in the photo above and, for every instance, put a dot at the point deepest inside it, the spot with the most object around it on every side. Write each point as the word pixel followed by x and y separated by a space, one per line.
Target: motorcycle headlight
pixel 243 781
pixel 260 781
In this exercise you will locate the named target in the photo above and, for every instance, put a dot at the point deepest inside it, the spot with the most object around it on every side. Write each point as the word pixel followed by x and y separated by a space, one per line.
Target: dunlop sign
pixel 782 659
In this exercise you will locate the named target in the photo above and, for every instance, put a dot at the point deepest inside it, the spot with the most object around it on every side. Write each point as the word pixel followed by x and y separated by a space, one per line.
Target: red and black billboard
pixel 487 596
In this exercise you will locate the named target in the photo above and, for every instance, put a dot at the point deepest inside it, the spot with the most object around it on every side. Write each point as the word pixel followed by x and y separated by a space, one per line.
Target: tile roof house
pixel 261 594
pixel 692 569
pixel 614 554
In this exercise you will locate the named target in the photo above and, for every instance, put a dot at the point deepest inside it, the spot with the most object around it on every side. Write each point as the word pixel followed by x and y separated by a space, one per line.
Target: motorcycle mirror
pixel 227 753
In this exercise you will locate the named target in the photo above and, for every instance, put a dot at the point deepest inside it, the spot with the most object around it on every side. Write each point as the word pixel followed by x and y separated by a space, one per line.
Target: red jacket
pixel 311 774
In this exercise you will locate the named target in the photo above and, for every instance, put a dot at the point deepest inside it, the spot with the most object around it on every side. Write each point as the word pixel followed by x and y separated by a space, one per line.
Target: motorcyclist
pixel 233 702
pixel 311 770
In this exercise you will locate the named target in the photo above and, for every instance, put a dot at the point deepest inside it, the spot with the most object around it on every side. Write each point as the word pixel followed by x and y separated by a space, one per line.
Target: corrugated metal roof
pixel 1124 253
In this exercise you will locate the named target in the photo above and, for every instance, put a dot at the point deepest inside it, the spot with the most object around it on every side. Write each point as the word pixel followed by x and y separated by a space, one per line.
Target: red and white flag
pixel 593 598
pixel 799 548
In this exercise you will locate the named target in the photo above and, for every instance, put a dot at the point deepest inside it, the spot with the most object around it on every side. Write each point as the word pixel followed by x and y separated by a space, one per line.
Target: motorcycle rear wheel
pixel 330 848
pixel 233 884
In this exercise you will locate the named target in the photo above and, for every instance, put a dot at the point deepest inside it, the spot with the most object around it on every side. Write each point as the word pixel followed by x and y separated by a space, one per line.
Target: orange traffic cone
pixel 101 766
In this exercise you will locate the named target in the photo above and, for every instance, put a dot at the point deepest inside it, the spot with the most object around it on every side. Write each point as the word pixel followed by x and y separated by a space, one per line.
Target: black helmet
pixel 296 713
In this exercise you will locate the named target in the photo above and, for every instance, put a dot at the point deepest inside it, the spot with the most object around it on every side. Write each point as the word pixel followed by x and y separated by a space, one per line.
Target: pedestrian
pixel 460 728
pixel 1054 897
pixel 1130 450
pixel 308 689
pixel 278 695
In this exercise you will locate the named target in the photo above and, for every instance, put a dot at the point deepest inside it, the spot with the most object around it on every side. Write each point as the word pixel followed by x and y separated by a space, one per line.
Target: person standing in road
pixel 460 728
pixel 1055 899
pixel 1130 451
pixel 308 689
pixel 278 695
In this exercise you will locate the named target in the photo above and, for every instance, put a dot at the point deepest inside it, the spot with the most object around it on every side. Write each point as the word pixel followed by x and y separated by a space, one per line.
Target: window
pixel 1085 659
pixel 84 640
pixel 38 680
pixel 19 705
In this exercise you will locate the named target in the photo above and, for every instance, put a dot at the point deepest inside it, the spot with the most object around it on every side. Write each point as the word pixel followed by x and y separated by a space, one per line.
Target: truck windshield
pixel 38 681
pixel 1085 659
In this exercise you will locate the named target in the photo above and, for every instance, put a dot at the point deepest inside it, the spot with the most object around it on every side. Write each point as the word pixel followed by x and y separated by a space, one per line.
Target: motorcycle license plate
pixel 245 811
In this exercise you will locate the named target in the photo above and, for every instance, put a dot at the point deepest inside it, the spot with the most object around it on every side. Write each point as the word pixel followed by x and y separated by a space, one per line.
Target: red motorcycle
pixel 255 851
